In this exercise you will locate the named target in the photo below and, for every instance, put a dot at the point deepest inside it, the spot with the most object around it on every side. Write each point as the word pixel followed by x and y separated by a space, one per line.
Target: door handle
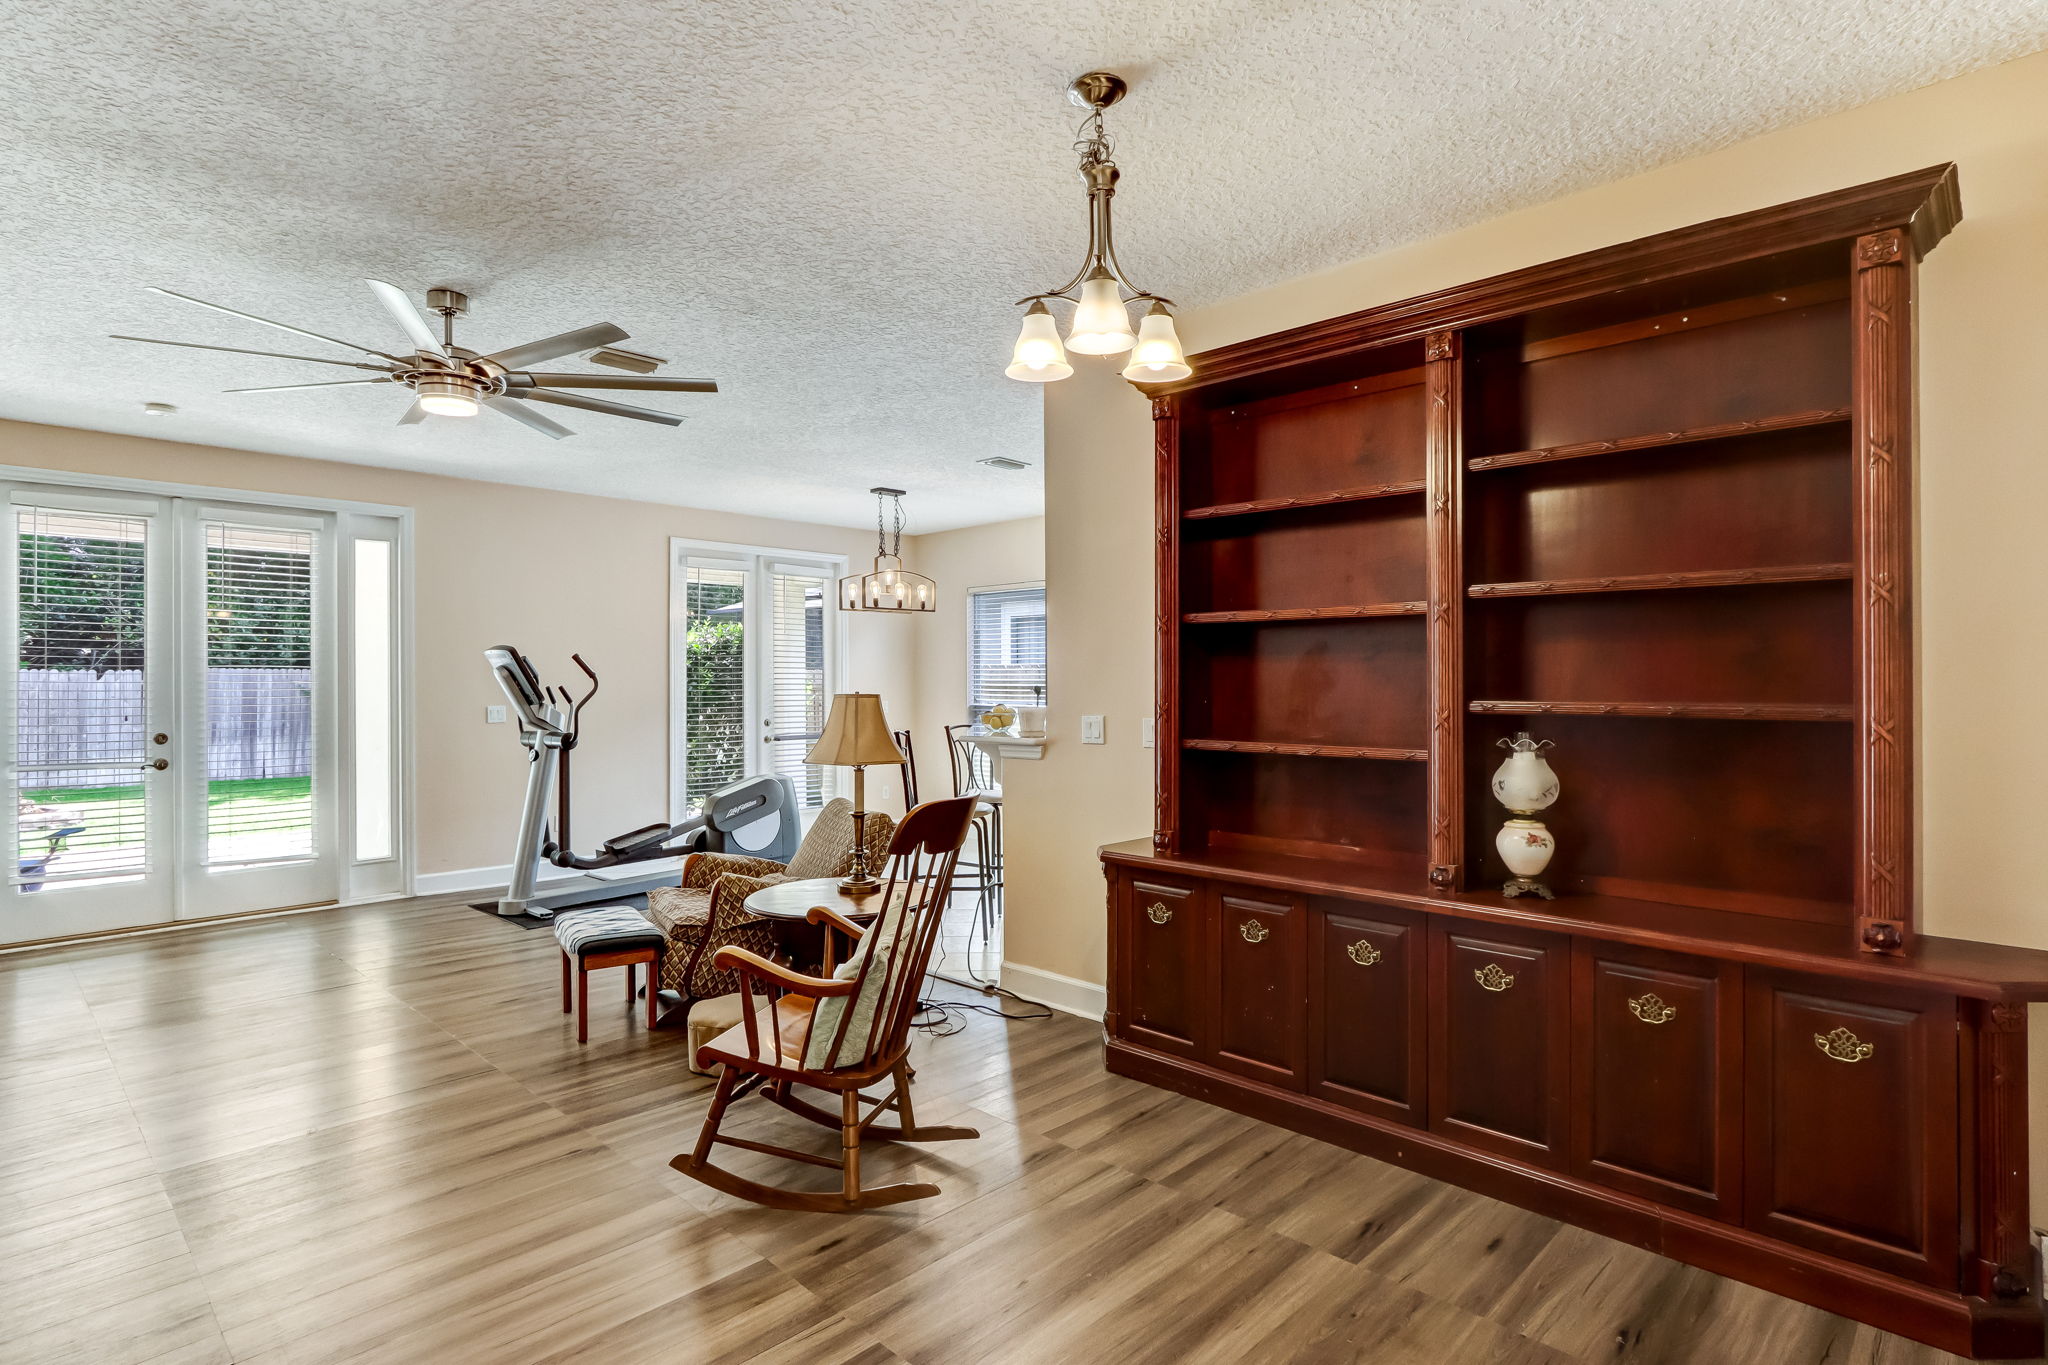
pixel 158 763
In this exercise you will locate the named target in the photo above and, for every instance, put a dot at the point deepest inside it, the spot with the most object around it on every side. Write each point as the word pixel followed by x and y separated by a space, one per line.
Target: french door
pixel 755 662
pixel 170 728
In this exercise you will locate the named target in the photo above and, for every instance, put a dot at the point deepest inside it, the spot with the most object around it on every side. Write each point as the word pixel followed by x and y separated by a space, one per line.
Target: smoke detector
pixel 1003 462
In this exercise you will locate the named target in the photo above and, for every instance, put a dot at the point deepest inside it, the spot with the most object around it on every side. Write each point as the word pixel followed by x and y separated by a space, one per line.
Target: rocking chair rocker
pixel 841 1033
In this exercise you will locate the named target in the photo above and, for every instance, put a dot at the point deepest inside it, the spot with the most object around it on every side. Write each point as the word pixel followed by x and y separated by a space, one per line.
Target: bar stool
pixel 975 775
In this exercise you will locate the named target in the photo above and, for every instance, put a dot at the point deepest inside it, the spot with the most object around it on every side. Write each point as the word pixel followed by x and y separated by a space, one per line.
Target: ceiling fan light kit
pixel 1102 317
pixel 449 381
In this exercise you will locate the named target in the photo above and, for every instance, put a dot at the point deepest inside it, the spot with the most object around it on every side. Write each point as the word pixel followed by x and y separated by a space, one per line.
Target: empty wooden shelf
pixel 1653 503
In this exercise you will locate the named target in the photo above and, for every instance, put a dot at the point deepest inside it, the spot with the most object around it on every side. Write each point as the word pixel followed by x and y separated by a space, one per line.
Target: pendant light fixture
pixel 1102 317
pixel 889 586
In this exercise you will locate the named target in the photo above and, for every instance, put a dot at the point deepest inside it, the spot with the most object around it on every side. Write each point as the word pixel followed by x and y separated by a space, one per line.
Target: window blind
pixel 259 694
pixel 1005 648
pixel 81 733
pixel 798 697
pixel 714 679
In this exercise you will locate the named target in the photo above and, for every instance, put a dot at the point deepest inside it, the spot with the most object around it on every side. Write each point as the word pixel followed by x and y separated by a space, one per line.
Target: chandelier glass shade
pixel 1100 291
pixel 1039 357
pixel 888 586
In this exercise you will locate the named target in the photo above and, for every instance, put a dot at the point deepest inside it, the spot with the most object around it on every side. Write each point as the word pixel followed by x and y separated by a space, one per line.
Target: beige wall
pixel 1983 481
pixel 549 572
pixel 1006 553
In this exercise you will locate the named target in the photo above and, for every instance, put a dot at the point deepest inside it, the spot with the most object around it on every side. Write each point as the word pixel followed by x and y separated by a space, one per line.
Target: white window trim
pixel 680 550
pixel 971 594
pixel 52 484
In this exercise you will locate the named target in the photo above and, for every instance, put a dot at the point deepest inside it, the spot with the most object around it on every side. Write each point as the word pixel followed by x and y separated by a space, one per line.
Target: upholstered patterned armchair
pixel 708 911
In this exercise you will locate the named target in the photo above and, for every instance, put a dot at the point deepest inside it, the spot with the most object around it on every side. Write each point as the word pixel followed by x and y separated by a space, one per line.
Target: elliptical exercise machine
pixel 549 726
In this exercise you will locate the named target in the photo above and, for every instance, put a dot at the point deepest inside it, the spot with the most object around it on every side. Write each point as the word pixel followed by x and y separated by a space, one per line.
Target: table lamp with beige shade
pixel 856 734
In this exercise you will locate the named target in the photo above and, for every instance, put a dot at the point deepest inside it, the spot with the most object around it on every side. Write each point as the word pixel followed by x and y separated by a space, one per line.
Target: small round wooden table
pixel 792 901
pixel 788 903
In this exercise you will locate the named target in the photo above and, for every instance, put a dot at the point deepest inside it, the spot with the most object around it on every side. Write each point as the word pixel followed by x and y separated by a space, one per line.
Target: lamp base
pixel 860 886
pixel 1525 886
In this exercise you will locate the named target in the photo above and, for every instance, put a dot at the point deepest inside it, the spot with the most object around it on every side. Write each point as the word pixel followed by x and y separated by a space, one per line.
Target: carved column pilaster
pixel 1444 390
pixel 1166 625
pixel 1881 304
pixel 2005 1260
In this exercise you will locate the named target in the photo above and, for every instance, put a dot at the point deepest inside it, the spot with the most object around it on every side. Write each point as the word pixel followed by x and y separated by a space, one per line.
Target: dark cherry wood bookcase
pixel 1653 503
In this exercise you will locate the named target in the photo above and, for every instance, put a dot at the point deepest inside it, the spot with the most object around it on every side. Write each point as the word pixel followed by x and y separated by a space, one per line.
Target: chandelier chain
pixel 889 529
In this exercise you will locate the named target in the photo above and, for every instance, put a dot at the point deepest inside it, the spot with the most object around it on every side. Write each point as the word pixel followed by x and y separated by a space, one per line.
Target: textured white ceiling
pixel 828 207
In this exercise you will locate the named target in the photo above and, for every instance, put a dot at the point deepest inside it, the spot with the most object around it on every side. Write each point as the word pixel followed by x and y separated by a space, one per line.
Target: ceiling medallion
pixel 888 586
pixel 1102 319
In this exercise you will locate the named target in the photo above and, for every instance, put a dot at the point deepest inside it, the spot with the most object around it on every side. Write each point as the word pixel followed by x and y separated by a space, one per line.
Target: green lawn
pixel 107 812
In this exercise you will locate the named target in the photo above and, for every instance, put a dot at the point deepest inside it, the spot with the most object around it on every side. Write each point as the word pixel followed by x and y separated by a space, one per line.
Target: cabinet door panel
pixel 1367 973
pixel 1164 926
pixel 1852 1122
pixel 1498 1040
pixel 1262 1007
pixel 1656 1059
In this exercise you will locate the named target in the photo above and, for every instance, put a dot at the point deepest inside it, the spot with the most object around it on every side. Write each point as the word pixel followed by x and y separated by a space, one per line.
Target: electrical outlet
pixel 1148 732
pixel 494 715
pixel 1091 729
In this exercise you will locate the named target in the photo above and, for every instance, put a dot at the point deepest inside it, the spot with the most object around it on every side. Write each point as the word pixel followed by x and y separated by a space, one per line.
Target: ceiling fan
pixel 449 381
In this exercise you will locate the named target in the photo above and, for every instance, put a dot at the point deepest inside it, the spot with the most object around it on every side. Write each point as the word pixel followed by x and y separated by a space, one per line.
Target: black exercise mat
pixel 634 902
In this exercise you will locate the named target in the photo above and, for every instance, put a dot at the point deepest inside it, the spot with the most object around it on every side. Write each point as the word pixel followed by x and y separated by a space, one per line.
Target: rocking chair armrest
pixel 825 914
pixel 754 965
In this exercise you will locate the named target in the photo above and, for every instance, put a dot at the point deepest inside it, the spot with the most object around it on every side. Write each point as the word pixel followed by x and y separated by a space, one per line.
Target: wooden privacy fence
pixel 259 724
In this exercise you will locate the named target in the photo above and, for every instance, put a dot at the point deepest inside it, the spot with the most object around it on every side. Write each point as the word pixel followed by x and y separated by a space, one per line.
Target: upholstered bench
pixel 607 936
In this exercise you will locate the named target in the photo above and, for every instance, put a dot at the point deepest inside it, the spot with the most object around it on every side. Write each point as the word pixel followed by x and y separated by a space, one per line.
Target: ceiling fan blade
pixel 413 415
pixel 267 322
pixel 526 416
pixel 577 400
pixel 237 350
pixel 325 384
pixel 647 383
pixel 397 303
pixel 555 347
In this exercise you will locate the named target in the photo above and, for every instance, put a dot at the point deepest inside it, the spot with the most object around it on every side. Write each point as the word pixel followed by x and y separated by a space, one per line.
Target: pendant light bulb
pixel 1102 324
pixel 1039 357
pixel 1157 358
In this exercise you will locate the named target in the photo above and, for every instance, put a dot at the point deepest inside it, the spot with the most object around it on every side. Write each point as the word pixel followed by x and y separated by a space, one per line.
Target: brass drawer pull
pixel 1492 978
pixel 1251 931
pixel 1158 913
pixel 1651 1009
pixel 1843 1045
pixel 1363 953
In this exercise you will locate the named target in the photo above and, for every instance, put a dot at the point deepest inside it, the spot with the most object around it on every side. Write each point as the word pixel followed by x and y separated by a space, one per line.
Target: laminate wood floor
pixel 369 1135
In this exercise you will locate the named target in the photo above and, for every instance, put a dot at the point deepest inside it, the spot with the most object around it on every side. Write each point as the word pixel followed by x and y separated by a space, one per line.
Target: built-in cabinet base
pixel 1848 1142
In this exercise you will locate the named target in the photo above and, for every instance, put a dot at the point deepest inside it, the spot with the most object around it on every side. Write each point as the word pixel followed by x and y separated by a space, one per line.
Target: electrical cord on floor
pixel 944 1018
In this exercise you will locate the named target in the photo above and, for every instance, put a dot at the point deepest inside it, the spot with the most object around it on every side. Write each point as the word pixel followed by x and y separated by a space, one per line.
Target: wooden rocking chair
pixel 840 1033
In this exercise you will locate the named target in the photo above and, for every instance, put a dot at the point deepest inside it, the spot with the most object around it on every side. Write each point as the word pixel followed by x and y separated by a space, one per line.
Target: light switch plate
pixel 1091 729
pixel 1148 732
pixel 494 715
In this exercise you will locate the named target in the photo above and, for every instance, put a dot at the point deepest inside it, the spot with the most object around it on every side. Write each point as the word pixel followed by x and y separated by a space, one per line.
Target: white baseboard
pixel 1063 993
pixel 480 879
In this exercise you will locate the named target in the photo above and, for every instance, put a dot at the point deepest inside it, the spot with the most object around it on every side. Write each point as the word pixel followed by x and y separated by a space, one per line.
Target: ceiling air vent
pixel 1003 462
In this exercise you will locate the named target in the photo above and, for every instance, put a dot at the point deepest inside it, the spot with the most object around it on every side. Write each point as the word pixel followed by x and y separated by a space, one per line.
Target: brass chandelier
pixel 888 586
pixel 1102 320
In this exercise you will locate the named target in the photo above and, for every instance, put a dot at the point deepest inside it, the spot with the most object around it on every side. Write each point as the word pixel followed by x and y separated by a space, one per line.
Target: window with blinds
pixel 799 694
pixel 714 678
pixel 81 735
pixel 259 694
pixel 1005 648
